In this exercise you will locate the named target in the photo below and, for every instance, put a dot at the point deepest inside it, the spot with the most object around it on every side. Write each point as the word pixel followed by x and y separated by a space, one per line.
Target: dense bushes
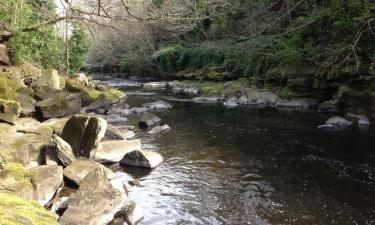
pixel 258 35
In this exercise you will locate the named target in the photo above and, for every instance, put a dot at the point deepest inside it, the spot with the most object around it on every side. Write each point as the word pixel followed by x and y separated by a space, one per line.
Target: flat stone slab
pixel 114 151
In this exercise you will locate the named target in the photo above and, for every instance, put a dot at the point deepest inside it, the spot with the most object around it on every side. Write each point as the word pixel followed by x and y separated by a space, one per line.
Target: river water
pixel 254 166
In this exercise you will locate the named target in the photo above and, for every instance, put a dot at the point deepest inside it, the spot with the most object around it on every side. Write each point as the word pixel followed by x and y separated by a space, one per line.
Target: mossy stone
pixel 9 111
pixel 15 210
pixel 15 178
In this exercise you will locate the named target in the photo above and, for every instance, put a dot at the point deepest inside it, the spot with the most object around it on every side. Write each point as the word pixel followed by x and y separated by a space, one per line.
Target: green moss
pixel 15 210
pixel 7 89
pixel 285 92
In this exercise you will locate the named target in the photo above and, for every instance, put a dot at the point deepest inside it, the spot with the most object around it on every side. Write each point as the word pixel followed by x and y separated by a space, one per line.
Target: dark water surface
pixel 255 166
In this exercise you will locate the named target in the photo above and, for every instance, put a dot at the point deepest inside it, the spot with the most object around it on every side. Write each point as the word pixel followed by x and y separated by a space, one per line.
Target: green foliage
pixel 78 46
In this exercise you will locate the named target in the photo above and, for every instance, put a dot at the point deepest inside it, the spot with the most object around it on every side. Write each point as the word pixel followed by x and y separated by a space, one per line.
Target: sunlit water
pixel 254 166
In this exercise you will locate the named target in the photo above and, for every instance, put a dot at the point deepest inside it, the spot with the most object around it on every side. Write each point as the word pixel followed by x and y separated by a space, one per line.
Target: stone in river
pixel 159 129
pixel 114 151
pixel 336 123
pixel 140 158
pixel 147 120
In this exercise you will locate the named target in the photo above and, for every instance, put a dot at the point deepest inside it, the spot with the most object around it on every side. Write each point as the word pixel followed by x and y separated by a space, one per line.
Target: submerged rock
pixel 46 181
pixel 140 158
pixel 17 210
pixel 96 201
pixel 78 170
pixel 147 120
pixel 336 123
pixel 9 111
pixel 159 129
pixel 114 151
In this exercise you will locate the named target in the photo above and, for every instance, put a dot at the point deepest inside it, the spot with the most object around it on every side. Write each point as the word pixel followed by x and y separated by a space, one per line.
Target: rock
pixel 207 99
pixel 46 92
pixel 63 150
pixel 147 120
pixel 25 148
pixel 49 78
pixel 159 129
pixel 58 106
pixel 57 124
pixel 336 123
pixel 84 133
pixel 157 106
pixel 362 120
pixel 46 181
pixel 50 156
pixel 140 158
pixel 115 118
pixel 4 56
pixel 15 178
pixel 132 213
pixel 15 76
pixel 30 73
pixel 155 85
pixel 102 102
pixel 7 89
pixel 94 133
pixel 328 106
pixel 113 133
pixel 114 151
pixel 96 201
pixel 261 98
pixel 17 210
pixel 138 110
pixel 9 111
pixel 79 168
pixel 60 205
pixel 231 103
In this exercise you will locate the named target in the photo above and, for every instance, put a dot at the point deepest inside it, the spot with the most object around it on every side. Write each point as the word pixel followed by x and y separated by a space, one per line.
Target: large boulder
pixel 46 181
pixel 140 158
pixel 78 170
pixel 114 151
pixel 17 210
pixel 15 178
pixel 60 105
pixel 9 111
pixel 14 74
pixel 49 78
pixel 63 150
pixel 84 133
pixel 147 120
pixel 96 201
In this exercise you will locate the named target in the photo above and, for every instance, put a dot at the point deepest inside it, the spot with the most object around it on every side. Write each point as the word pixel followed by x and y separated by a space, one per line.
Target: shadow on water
pixel 254 166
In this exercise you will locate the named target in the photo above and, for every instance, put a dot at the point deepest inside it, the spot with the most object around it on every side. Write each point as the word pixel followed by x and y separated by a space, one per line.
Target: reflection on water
pixel 255 166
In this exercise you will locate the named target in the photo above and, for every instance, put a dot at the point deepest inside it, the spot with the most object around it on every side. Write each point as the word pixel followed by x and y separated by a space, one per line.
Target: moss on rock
pixel 15 210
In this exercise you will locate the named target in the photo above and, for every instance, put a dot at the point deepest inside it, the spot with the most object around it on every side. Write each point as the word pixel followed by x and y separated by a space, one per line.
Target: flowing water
pixel 254 166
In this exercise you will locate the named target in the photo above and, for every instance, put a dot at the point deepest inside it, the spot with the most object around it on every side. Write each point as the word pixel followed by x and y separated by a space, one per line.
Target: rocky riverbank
pixel 55 133
pixel 240 93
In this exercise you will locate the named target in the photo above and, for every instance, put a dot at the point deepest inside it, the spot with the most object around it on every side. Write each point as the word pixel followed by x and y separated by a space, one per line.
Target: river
pixel 253 166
